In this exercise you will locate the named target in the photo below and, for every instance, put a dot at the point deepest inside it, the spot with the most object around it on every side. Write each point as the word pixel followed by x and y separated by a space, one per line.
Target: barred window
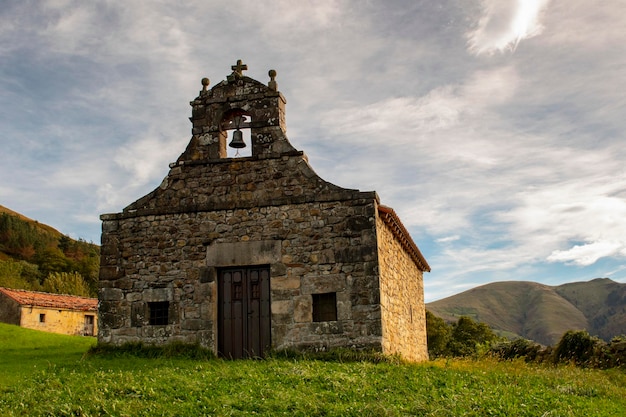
pixel 159 313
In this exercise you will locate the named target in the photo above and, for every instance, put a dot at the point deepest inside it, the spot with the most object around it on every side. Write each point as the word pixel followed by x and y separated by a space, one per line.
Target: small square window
pixel 42 318
pixel 159 313
pixel 325 307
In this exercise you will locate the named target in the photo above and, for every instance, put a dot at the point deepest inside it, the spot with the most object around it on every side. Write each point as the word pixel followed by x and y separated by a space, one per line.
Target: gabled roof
pixel 44 299
pixel 392 221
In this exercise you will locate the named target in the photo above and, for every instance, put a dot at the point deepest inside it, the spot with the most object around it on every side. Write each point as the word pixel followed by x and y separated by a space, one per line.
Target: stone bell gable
pixel 243 255
pixel 258 107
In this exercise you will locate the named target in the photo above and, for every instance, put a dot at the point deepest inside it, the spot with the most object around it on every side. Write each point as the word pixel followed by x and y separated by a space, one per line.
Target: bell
pixel 237 141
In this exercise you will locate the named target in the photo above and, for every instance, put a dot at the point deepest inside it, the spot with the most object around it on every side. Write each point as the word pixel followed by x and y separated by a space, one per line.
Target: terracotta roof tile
pixel 44 299
pixel 392 221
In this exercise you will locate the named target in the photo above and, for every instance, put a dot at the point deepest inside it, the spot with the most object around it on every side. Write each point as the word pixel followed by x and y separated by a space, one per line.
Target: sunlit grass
pixel 128 385
pixel 24 351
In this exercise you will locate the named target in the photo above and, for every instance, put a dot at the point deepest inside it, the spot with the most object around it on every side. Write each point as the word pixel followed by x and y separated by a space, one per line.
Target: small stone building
pixel 56 313
pixel 246 254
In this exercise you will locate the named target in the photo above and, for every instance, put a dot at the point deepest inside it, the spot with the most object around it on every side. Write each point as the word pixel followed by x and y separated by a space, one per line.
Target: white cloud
pixel 302 19
pixel 439 110
pixel 504 23
pixel 583 210
pixel 505 190
pixel 448 239
pixel 144 158
pixel 587 254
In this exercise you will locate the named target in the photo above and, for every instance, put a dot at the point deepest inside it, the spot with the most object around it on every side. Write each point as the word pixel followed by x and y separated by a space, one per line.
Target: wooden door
pixel 88 326
pixel 244 312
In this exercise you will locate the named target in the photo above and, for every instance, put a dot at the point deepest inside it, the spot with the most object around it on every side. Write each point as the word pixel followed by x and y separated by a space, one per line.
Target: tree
pixel 19 275
pixel 66 283
pixel 52 260
pixel 467 335
pixel 65 243
pixel 11 274
pixel 89 268
pixel 437 334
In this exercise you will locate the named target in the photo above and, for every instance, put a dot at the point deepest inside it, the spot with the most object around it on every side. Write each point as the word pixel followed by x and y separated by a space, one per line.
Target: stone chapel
pixel 249 254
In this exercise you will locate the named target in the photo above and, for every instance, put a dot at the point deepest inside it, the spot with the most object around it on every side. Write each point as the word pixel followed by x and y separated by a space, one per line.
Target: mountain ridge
pixel 541 312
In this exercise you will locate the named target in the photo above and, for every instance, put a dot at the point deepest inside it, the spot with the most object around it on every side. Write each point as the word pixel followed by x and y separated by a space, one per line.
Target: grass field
pixel 24 352
pixel 48 375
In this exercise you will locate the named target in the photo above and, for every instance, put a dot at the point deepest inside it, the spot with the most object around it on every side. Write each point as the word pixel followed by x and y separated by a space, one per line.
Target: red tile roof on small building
pixel 44 299
pixel 392 221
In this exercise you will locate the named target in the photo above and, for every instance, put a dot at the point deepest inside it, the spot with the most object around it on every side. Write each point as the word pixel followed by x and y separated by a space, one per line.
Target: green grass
pixel 24 351
pixel 68 383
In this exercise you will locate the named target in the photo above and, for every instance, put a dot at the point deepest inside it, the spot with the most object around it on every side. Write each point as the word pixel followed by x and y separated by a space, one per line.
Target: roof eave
pixel 391 219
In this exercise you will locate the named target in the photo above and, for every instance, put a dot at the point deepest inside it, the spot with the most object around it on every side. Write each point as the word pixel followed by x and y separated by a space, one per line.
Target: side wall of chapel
pixel 401 299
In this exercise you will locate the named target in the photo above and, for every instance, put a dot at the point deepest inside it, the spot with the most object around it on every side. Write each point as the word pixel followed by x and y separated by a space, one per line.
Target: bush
pixel 519 348
pixel 575 347
pixel 617 351
pixel 579 348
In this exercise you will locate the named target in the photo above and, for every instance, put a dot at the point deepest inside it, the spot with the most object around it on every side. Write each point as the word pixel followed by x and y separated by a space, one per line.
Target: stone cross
pixel 239 68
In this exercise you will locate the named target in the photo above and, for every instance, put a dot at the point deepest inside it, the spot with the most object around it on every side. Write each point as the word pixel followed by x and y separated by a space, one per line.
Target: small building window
pixel 325 307
pixel 159 313
pixel 42 318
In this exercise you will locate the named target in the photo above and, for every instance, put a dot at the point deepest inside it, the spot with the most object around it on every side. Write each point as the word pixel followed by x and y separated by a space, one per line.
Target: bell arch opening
pixel 236 125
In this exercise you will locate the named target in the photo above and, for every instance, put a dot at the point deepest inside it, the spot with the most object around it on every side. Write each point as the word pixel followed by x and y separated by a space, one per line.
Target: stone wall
pixel 165 247
pixel 401 298
pixel 9 310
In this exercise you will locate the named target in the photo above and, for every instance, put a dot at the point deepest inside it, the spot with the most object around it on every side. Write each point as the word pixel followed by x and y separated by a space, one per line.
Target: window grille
pixel 159 313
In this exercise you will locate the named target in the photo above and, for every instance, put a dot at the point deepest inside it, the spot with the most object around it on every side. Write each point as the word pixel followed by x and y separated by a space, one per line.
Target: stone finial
pixel 205 83
pixel 273 85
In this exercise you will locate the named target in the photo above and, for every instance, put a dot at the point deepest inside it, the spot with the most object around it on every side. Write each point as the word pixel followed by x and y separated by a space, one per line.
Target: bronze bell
pixel 237 141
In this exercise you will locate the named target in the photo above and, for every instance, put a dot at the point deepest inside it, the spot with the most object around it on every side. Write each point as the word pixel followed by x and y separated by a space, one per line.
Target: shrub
pixel 578 347
pixel 519 348
pixel 617 348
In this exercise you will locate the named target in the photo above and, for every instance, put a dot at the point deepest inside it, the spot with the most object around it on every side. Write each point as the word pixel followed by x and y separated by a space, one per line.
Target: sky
pixel 494 128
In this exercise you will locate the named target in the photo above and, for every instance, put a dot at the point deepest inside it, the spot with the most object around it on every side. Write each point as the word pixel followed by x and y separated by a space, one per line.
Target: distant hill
pixel 13 242
pixel 541 312
pixel 35 256
pixel 43 227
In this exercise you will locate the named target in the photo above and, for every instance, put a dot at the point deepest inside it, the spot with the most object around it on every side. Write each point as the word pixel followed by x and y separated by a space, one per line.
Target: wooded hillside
pixel 35 256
